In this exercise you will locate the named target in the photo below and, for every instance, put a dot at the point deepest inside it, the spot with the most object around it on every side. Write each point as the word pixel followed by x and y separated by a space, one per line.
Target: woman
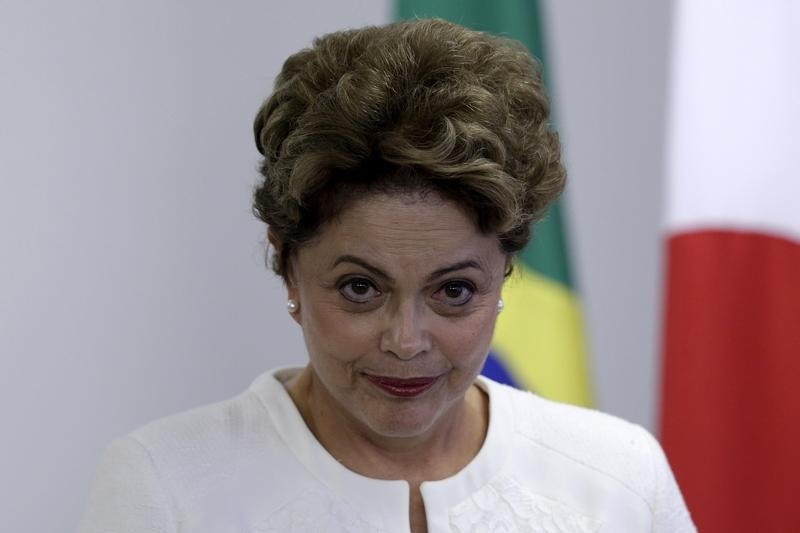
pixel 403 167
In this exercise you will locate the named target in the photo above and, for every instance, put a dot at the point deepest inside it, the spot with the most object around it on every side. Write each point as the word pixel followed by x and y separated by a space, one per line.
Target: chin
pixel 401 429
pixel 403 419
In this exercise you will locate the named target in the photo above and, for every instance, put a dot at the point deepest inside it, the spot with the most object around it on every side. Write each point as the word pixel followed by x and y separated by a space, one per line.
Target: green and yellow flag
pixel 539 342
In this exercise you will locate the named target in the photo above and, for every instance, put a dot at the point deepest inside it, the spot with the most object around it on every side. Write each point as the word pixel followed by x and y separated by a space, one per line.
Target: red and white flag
pixel 731 382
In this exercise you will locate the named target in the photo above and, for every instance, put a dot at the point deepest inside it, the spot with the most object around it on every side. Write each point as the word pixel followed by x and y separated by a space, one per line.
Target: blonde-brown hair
pixel 423 105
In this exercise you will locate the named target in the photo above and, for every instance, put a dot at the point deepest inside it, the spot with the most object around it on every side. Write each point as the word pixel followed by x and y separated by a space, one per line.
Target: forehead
pixel 404 228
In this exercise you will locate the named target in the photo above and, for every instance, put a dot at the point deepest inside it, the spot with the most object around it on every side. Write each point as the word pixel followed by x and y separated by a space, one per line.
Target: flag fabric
pixel 731 409
pixel 539 342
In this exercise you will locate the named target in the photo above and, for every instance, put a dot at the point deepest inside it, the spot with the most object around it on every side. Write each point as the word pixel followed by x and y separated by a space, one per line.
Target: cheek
pixel 337 336
pixel 467 342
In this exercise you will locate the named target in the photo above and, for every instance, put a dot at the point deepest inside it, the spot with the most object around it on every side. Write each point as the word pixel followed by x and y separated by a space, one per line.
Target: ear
pixel 509 266
pixel 292 293
pixel 277 249
pixel 291 287
pixel 272 237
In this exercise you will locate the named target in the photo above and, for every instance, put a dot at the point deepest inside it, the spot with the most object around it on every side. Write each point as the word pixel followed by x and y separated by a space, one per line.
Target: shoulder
pixel 599 450
pixel 598 441
pixel 218 424
pixel 587 436
pixel 225 419
pixel 231 422
pixel 204 440
pixel 210 448
pixel 196 464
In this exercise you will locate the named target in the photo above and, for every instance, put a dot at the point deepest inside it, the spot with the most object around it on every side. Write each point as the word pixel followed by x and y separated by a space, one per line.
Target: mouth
pixel 403 388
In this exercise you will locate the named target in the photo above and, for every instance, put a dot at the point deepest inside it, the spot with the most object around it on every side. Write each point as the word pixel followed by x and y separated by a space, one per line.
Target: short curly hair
pixel 424 105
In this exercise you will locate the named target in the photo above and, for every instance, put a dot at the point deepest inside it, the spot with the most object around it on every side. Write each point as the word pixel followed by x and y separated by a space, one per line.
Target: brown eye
pixel 360 287
pixel 359 290
pixel 455 293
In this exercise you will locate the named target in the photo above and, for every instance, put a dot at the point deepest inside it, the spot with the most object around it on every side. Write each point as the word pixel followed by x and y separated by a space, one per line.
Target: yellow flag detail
pixel 540 338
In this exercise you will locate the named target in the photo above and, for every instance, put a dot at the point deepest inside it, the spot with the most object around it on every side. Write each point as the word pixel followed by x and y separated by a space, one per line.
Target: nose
pixel 405 334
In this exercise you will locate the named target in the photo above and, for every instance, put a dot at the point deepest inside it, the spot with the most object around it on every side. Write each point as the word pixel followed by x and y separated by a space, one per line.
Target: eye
pixel 455 293
pixel 359 290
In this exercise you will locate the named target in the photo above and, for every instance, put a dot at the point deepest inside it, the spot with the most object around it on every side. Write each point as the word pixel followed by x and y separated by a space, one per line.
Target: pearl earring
pixel 500 306
pixel 292 306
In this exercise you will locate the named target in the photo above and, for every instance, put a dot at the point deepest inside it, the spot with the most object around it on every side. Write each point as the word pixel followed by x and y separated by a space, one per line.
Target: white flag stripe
pixel 733 157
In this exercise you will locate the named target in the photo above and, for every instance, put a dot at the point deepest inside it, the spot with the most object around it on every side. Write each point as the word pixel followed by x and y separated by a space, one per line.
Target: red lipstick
pixel 403 388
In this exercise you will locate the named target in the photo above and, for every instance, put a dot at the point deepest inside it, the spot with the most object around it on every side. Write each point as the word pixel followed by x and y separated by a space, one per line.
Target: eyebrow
pixel 364 264
pixel 468 263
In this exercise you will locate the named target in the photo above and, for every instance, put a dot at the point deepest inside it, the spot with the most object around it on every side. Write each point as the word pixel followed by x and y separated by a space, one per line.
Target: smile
pixel 403 388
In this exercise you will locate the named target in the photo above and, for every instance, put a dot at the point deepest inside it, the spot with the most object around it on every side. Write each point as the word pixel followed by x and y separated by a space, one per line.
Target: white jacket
pixel 250 464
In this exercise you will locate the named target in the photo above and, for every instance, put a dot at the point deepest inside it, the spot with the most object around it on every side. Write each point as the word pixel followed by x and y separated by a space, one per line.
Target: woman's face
pixel 398 301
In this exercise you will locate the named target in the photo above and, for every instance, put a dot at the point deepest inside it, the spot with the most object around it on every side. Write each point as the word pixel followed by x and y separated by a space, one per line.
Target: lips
pixel 403 388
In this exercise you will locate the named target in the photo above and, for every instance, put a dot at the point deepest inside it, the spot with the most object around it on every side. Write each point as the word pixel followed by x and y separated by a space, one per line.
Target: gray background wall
pixel 609 62
pixel 132 282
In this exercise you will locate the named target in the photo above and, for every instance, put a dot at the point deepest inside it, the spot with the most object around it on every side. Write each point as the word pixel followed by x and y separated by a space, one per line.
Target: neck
pixel 437 453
